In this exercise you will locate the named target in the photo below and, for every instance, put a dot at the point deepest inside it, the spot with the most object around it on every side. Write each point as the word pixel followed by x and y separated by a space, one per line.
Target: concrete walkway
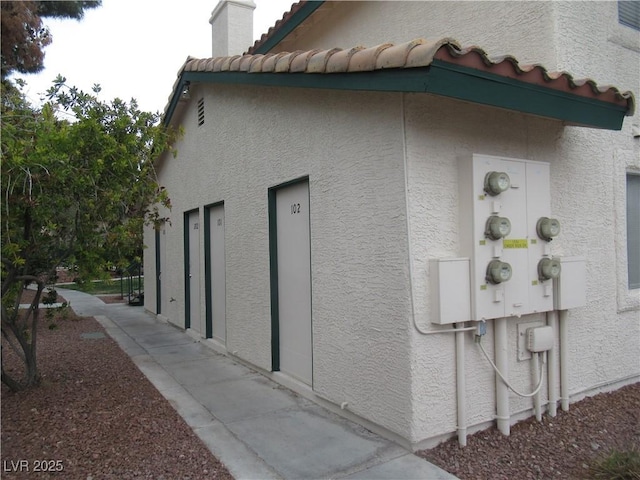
pixel 257 428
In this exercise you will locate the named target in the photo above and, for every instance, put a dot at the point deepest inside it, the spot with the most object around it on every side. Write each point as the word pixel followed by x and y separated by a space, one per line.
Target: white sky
pixel 134 48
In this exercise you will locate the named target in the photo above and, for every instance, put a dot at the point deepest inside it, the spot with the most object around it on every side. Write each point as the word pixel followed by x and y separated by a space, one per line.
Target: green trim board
pixel 273 280
pixel 478 86
pixel 296 19
pixel 440 78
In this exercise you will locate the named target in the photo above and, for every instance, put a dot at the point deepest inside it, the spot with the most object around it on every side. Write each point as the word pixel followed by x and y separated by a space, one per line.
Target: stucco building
pixel 338 212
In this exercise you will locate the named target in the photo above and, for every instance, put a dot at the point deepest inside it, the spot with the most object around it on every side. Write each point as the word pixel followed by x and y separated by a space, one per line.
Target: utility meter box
pixel 570 288
pixel 450 294
pixel 503 206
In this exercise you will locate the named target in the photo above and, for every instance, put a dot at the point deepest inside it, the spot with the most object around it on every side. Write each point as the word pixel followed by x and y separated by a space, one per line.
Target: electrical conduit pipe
pixel 502 364
pixel 552 367
pixel 537 402
pixel 564 359
pixel 461 394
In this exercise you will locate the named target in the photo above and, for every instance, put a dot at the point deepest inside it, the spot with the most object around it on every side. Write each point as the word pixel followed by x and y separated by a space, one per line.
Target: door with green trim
pixel 193 243
pixel 294 281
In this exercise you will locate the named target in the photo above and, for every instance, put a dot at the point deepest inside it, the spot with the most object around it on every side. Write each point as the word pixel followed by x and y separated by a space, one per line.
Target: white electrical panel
pixel 450 294
pixel 538 249
pixel 570 288
pixel 505 230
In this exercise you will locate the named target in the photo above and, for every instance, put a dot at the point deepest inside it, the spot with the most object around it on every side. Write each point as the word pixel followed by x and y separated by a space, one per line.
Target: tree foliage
pixel 24 36
pixel 77 189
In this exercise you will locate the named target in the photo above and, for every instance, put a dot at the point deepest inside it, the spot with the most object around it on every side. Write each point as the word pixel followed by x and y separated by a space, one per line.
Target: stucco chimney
pixel 232 27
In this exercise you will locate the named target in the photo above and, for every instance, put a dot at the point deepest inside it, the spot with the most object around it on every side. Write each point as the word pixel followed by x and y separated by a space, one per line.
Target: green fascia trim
pixel 391 80
pixel 273 280
pixel 295 20
pixel 207 273
pixel 477 86
pixel 441 78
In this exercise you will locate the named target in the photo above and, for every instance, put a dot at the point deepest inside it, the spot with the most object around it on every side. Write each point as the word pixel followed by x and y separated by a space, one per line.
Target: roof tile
pixel 245 63
pixel 339 62
pixel 269 64
pixel 318 61
pixel 301 61
pixel 365 60
pixel 413 54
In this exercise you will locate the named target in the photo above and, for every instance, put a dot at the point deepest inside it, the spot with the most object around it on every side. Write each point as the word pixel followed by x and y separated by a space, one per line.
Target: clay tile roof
pixel 417 53
pixel 300 62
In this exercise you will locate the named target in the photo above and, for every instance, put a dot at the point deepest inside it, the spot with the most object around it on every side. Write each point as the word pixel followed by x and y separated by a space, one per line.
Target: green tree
pixel 75 191
pixel 24 36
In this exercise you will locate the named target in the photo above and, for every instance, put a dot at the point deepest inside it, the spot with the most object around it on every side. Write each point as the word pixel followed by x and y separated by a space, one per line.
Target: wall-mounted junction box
pixel 570 288
pixel 450 294
pixel 540 339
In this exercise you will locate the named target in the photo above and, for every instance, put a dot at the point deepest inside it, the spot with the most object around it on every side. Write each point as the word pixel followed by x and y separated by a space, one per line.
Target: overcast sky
pixel 134 48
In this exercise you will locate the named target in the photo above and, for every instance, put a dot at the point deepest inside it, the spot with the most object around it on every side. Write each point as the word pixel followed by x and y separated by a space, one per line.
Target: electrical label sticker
pixel 515 243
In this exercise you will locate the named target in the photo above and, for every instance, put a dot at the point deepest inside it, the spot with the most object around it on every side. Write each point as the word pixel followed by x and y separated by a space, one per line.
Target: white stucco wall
pixel 607 334
pixel 588 169
pixel 350 146
pixel 358 150
pixel 517 28
pixel 588 175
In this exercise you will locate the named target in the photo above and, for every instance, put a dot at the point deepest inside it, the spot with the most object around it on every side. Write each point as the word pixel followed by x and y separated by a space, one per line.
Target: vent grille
pixel 629 13
pixel 201 112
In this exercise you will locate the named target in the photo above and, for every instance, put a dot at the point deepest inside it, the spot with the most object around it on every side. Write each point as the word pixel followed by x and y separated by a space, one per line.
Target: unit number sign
pixel 295 208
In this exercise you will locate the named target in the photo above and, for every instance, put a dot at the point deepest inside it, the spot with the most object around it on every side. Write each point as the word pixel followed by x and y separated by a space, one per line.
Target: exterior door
pixel 294 281
pixel 160 249
pixel 193 271
pixel 216 320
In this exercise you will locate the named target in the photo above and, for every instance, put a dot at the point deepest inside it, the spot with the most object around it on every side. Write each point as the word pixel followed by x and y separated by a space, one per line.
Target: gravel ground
pixel 95 416
pixel 562 447
pixel 99 417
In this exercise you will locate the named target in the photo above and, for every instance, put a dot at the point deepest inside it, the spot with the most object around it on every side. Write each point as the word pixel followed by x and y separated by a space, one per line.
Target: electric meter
pixel 498 272
pixel 547 228
pixel 496 182
pixel 548 268
pixel 497 227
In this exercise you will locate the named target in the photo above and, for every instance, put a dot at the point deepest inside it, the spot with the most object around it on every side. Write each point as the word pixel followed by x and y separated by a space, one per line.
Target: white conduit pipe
pixel 535 367
pixel 502 365
pixel 461 389
pixel 564 359
pixel 552 368
pixel 509 386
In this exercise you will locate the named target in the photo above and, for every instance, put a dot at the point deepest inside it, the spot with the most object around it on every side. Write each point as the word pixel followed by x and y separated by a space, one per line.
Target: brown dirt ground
pixel 563 447
pixel 96 415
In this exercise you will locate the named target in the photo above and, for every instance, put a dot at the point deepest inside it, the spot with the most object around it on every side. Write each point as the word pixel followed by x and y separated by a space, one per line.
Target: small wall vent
pixel 201 112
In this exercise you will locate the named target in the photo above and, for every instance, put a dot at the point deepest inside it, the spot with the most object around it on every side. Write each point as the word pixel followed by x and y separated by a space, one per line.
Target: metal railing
pixel 135 293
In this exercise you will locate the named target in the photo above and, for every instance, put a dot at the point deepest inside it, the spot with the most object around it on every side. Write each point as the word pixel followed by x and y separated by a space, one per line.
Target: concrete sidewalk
pixel 257 428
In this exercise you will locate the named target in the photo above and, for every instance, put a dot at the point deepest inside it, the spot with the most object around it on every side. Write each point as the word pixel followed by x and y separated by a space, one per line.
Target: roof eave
pixel 289 23
pixel 440 78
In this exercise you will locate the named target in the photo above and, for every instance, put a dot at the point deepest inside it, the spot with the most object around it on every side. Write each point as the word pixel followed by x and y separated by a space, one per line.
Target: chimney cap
pixel 222 3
